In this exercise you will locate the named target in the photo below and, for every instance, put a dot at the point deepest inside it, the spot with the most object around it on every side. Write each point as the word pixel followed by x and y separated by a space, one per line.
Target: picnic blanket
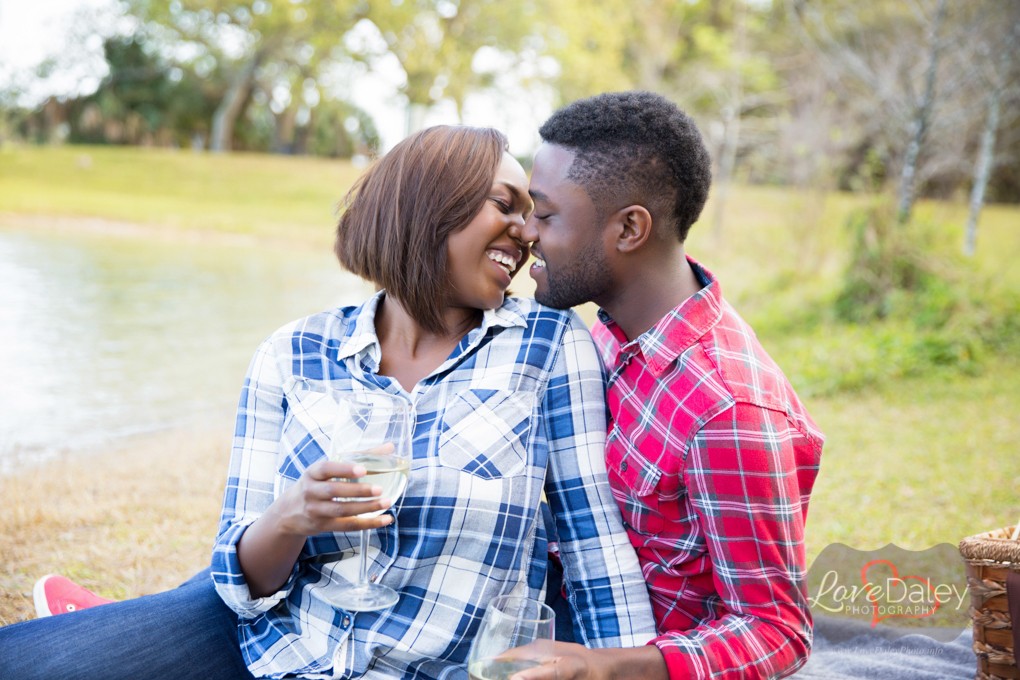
pixel 845 649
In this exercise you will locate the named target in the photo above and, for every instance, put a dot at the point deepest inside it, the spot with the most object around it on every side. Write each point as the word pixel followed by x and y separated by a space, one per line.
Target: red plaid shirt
pixel 711 457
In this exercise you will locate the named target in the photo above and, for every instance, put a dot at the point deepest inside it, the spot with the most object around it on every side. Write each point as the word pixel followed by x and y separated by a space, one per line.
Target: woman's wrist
pixel 267 553
pixel 283 519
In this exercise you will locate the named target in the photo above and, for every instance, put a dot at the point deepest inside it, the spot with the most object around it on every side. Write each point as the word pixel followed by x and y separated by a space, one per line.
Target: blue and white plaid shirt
pixel 518 408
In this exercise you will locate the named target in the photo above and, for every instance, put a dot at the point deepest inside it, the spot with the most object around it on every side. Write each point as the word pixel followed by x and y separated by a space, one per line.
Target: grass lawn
pixel 261 195
pixel 770 234
pixel 918 462
pixel 134 520
pixel 914 461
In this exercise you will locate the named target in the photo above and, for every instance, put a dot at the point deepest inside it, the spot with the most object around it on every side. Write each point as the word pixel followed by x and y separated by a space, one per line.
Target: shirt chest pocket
pixel 485 432
pixel 646 486
pixel 307 426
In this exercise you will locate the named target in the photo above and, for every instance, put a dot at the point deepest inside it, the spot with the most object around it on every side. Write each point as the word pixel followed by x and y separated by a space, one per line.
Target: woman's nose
pixel 516 228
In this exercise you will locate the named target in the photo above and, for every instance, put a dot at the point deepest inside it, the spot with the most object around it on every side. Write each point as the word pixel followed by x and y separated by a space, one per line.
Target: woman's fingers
pixel 344 516
pixel 361 523
pixel 343 509
pixel 328 469
pixel 327 491
pixel 330 499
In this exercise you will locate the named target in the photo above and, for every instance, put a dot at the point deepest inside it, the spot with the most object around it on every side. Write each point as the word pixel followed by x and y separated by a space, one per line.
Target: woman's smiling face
pixel 485 255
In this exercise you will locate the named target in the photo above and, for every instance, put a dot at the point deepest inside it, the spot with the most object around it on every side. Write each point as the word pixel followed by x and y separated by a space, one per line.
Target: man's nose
pixel 530 232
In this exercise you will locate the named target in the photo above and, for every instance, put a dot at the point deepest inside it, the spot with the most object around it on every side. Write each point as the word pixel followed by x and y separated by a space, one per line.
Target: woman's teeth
pixel 502 259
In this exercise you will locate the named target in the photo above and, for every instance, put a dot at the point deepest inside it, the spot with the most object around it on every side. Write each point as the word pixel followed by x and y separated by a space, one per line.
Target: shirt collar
pixel 680 328
pixel 360 339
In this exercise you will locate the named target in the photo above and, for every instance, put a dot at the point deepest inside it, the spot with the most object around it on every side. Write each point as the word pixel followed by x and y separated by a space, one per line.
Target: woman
pixel 508 402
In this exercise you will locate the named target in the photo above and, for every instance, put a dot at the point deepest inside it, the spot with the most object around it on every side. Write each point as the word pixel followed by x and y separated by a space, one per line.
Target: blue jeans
pixel 182 634
pixel 186 633
pixel 554 585
pixel 554 598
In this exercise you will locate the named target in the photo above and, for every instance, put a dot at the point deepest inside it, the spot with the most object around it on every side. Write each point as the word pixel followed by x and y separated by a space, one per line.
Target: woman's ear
pixel 634 228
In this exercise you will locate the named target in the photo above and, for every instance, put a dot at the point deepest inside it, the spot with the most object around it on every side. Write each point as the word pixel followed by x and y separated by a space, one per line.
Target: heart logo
pixel 875 618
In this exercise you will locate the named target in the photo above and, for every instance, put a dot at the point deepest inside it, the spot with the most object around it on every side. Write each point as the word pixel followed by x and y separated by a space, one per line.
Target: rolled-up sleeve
pixel 250 487
pixel 602 575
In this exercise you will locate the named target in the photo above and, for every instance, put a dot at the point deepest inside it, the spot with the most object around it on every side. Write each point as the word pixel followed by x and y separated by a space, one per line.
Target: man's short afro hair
pixel 635 148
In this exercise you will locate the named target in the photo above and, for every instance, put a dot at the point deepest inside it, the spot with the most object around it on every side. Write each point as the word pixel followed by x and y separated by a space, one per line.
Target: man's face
pixel 568 238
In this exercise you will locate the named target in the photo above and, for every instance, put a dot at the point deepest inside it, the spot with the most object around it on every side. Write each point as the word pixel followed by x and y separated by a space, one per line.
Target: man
pixel 710 454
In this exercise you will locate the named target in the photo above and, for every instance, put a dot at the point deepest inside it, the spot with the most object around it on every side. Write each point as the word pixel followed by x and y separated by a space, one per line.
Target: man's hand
pixel 576 662
pixel 569 662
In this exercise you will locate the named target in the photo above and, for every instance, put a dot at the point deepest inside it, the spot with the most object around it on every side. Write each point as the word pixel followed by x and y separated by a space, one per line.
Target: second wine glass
pixel 366 424
pixel 516 634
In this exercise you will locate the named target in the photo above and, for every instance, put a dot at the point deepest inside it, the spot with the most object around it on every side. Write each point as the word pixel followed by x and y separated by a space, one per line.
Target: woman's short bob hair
pixel 398 216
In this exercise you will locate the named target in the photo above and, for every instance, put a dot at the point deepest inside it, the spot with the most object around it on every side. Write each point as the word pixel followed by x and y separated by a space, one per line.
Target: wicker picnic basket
pixel 990 557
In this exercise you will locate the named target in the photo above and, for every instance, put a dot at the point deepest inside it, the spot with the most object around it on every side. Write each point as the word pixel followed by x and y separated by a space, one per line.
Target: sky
pixel 34 30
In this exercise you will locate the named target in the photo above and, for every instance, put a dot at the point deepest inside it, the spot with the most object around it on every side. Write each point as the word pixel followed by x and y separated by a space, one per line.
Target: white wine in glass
pixel 387 471
pixel 516 634
pixel 374 430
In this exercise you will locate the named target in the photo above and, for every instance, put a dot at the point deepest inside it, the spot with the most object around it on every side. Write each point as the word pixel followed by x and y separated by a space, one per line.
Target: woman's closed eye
pixel 503 205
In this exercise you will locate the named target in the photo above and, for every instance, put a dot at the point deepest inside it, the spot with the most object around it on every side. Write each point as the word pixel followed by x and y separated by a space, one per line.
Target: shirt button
pixel 347 621
pixel 623 466
pixel 373 578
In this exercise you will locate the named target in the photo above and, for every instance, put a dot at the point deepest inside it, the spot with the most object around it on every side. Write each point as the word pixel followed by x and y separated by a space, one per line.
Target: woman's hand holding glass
pixel 323 500
pixel 269 547
pixel 371 437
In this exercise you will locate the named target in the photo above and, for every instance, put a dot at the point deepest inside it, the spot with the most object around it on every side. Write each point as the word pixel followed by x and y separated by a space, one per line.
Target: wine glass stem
pixel 363 578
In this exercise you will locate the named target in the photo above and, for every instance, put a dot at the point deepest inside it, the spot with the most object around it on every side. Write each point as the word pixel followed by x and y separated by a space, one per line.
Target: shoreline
pixel 20 459
pixel 105 227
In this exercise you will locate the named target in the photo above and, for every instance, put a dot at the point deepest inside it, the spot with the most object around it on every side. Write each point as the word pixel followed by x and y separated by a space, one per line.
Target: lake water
pixel 102 337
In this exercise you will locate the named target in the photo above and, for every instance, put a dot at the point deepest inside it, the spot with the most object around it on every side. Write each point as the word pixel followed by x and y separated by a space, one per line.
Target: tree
pixel 436 42
pixel 1000 58
pixel 922 114
pixel 707 55
pixel 339 129
pixel 142 100
pixel 591 41
pixel 243 35
pixel 731 111
pixel 898 65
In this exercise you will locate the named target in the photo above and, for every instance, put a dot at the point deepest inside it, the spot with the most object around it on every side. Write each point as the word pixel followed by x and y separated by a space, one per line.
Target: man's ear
pixel 633 228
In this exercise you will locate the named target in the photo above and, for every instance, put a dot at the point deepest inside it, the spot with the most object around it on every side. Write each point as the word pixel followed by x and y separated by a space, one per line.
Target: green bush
pixel 907 305
pixel 890 264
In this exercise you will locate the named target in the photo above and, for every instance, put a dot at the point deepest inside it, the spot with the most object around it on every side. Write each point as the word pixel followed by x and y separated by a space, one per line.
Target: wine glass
pixel 516 634
pixel 373 430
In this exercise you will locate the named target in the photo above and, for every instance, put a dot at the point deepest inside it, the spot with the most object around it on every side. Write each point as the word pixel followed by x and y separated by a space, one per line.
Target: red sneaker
pixel 58 595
